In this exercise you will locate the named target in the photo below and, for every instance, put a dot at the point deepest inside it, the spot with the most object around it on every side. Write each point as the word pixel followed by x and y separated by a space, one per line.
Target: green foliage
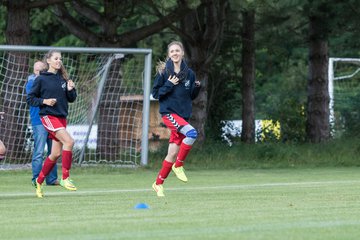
pixel 166 5
pixel 3 17
pixel 46 29
pixel 283 99
pixel 224 96
pixel 224 102
pixel 341 152
pixel 69 41
pixel 281 70
pixel 346 104
pixel 281 53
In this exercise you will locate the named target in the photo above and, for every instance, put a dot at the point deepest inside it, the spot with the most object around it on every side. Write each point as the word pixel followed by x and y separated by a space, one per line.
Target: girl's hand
pixel 174 80
pixel 70 85
pixel 50 101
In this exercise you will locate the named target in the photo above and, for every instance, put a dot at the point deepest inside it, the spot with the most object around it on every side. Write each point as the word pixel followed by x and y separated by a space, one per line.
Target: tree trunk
pixel 248 77
pixel 317 127
pixel 202 32
pixel 112 141
pixel 199 114
pixel 18 23
pixel 12 97
pixel 108 146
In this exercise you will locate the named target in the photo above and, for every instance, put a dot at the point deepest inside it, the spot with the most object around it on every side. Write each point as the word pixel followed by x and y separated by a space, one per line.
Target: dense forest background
pixel 255 59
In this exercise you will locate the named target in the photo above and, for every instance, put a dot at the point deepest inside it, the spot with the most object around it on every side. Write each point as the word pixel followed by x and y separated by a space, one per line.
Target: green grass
pixel 335 153
pixel 321 203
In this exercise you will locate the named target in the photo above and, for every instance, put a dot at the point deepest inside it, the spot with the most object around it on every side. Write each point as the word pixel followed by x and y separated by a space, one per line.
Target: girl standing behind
pixel 51 92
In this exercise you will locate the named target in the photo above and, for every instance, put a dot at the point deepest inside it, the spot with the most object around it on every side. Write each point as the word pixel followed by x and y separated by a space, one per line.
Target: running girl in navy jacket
pixel 51 92
pixel 175 86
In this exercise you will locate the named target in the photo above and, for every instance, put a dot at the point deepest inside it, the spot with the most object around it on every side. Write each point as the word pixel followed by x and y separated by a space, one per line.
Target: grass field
pixel 321 203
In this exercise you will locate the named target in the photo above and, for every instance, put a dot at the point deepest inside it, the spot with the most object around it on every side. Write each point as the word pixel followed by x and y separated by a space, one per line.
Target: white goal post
pixel 336 77
pixel 109 120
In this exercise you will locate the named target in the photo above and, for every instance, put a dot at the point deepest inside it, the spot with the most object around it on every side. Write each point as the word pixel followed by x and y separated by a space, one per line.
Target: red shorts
pixel 174 122
pixel 53 124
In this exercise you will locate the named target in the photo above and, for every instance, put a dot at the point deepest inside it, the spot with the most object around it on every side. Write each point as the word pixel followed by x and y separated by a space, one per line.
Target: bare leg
pixel 2 150
pixel 172 152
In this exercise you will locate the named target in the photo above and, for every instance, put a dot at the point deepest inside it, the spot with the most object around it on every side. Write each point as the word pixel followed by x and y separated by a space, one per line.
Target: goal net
pixel 108 120
pixel 344 91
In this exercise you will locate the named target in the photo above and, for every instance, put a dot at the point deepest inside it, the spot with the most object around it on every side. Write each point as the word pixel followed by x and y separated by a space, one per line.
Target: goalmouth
pixel 344 86
pixel 109 120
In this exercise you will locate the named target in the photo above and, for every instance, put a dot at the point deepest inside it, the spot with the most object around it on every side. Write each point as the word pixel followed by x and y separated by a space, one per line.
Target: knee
pixel 191 136
pixel 2 149
pixel 54 155
pixel 69 144
pixel 172 154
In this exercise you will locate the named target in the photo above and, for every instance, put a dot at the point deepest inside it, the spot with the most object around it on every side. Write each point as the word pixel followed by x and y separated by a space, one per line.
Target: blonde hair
pixel 160 66
pixel 62 69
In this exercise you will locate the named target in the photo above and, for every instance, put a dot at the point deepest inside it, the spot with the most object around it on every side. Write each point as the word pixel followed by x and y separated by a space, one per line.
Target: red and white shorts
pixel 174 122
pixel 53 124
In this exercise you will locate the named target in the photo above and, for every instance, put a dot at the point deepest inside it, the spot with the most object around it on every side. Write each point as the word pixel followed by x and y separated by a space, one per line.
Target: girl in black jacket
pixel 51 92
pixel 175 86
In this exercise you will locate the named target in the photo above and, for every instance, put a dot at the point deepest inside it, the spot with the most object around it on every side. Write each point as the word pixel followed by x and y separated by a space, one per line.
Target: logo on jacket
pixel 187 84
pixel 63 86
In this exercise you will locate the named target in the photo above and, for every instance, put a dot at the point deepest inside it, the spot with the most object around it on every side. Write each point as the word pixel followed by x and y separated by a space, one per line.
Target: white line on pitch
pixel 220 187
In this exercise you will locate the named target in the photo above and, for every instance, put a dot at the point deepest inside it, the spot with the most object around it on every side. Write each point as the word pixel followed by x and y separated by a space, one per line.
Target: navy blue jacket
pixel 175 98
pixel 50 85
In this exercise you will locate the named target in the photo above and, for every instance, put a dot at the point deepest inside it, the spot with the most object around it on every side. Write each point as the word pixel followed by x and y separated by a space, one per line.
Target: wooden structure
pixel 130 124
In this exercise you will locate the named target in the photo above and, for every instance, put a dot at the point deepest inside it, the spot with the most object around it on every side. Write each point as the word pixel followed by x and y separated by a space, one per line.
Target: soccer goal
pixel 344 92
pixel 109 119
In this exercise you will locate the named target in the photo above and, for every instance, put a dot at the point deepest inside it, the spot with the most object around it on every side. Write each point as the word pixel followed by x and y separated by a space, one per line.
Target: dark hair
pixel 62 70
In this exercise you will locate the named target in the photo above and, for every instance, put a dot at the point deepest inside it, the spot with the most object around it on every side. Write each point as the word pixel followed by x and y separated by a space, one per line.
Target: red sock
pixel 183 152
pixel 164 172
pixel 66 163
pixel 46 169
